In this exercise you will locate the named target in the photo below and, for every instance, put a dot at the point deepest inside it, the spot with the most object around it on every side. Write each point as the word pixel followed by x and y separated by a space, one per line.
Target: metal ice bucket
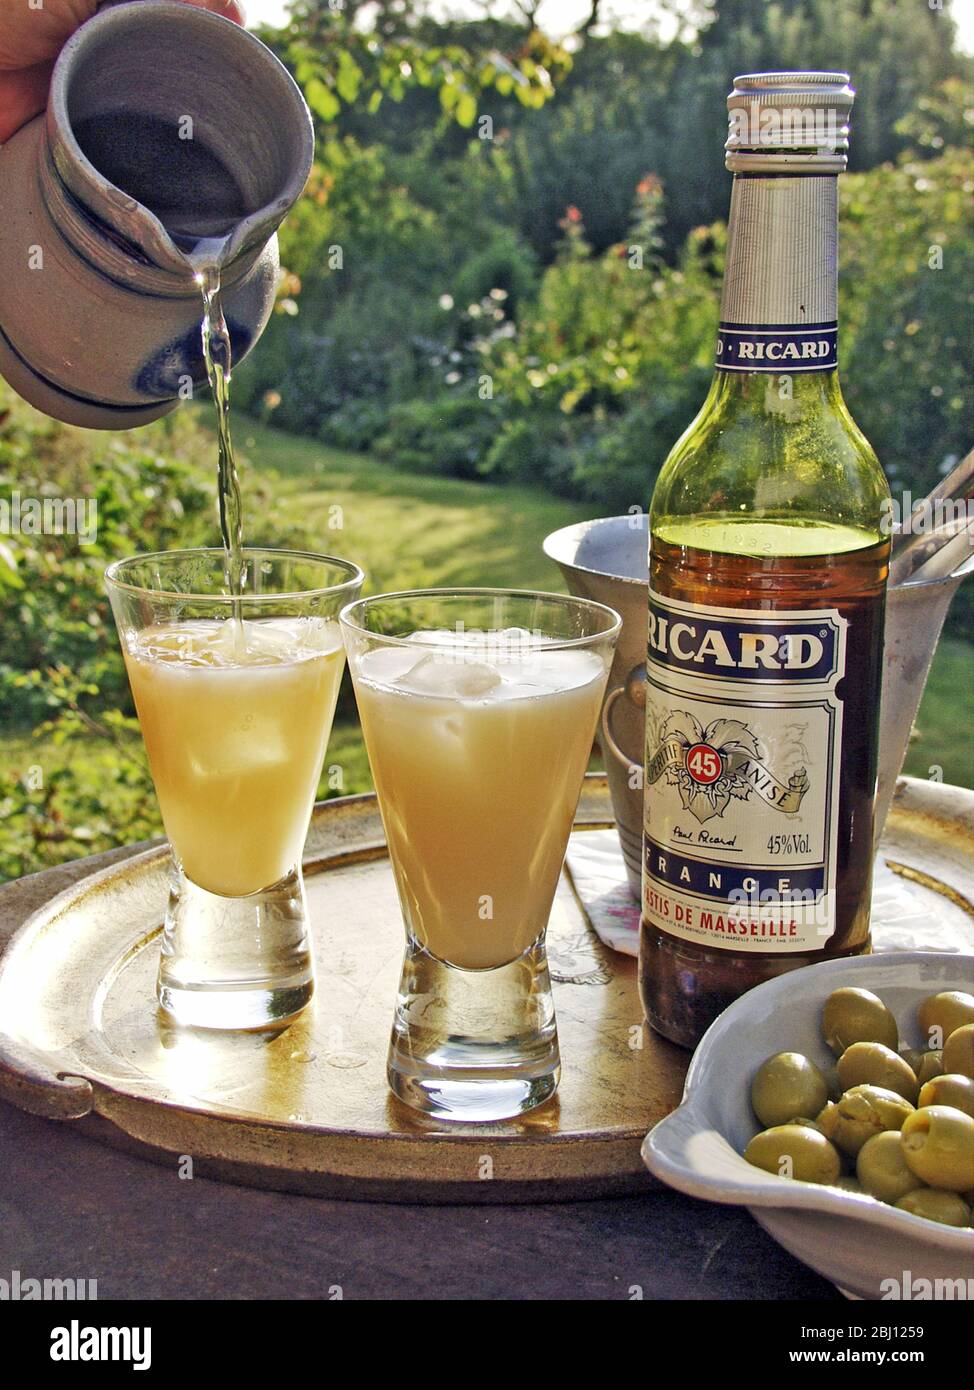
pixel 607 560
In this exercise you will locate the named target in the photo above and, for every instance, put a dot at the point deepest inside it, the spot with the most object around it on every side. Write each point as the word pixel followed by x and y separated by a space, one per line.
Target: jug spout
pixel 170 134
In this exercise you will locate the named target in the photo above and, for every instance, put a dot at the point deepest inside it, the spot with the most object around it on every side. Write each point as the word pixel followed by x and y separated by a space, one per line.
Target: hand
pixel 31 39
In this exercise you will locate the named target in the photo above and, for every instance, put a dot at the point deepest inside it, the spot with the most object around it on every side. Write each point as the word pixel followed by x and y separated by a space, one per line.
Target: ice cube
pixel 386 665
pixel 435 675
pixel 563 670
pixel 271 641
pixel 438 637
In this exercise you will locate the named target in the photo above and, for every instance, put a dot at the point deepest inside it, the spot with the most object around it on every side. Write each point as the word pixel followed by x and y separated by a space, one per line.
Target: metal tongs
pixel 942 547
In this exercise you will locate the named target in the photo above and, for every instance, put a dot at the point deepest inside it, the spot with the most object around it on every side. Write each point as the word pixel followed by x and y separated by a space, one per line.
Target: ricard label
pixel 743 347
pixel 743 734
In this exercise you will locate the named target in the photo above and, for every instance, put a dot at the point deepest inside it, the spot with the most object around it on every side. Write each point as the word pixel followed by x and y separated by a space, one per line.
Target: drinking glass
pixel 478 708
pixel 235 696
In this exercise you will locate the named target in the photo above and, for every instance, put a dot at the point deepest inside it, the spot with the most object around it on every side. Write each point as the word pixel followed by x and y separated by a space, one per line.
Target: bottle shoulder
pixel 768 447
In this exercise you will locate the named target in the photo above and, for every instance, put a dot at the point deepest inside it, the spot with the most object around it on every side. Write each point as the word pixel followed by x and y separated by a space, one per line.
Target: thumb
pixel 23 90
pixel 23 95
pixel 230 9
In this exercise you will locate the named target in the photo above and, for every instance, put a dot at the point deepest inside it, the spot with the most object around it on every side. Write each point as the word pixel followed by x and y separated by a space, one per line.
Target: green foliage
pixel 450 435
pixel 907 304
pixel 896 54
pixel 499 261
pixel 53 584
pixel 602 371
pixel 941 119
pixel 60 800
pixel 339 64
pixel 609 364
pixel 386 351
pixel 379 276
pixel 941 746
pixel 631 104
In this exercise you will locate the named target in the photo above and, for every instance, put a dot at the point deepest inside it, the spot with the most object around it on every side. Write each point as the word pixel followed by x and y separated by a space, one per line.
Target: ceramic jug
pixel 165 124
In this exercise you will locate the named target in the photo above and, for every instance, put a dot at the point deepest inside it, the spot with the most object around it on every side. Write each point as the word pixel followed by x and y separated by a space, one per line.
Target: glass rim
pixel 356 576
pixel 554 644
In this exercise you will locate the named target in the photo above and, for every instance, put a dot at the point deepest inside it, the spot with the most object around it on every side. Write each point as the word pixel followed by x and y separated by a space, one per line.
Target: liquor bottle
pixel 768 568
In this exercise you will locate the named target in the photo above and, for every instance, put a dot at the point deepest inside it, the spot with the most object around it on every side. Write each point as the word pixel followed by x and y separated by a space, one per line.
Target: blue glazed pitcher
pixel 166 124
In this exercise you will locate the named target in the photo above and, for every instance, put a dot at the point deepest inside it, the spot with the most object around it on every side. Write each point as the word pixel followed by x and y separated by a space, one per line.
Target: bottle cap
pixel 789 122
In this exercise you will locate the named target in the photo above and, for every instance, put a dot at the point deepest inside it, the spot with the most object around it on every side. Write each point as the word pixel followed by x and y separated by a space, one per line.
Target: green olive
pixel 874 1064
pixel 939 1015
pixel 882 1169
pixel 859 1114
pixel 935 1204
pixel 806 1123
pixel 925 1063
pixel 950 1089
pixel 929 1065
pixel 828 1118
pixel 938 1144
pixel 787 1085
pixel 833 1082
pixel 794 1151
pixel 959 1051
pixel 857 1015
pixel 849 1184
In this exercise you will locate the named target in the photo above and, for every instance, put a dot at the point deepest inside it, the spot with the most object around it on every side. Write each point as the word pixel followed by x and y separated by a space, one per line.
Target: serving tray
pixel 307 1109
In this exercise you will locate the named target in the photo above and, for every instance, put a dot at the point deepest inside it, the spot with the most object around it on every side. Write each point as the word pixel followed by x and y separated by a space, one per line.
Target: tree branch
pixel 592 19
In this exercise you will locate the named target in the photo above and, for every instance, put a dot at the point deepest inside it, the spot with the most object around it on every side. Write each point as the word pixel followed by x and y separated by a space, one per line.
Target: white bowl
pixel 867 1248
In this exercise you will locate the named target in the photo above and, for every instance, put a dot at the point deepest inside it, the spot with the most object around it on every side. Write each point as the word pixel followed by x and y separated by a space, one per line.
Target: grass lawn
pixel 406 531
pixel 942 737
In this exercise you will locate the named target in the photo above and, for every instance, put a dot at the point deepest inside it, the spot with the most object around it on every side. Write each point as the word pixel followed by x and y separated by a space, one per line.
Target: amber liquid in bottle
pixel 685 987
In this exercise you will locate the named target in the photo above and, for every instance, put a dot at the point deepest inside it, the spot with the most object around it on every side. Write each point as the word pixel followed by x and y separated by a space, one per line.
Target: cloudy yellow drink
pixel 478 747
pixel 236 718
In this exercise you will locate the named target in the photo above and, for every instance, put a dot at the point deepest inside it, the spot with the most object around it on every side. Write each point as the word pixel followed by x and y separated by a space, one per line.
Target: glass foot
pixel 235 963
pixel 474 1045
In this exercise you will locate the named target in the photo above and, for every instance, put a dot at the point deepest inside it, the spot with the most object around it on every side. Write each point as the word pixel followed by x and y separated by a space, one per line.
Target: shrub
pixel 449 435
pixel 906 312
pixel 53 606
